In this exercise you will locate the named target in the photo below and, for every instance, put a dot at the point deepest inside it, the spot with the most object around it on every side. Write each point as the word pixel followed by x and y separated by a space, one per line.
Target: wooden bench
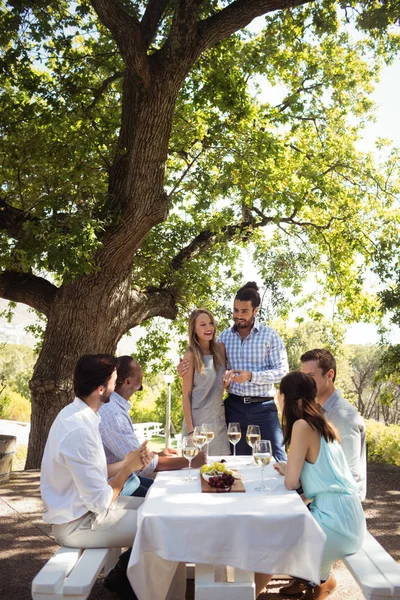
pixel 72 572
pixel 375 571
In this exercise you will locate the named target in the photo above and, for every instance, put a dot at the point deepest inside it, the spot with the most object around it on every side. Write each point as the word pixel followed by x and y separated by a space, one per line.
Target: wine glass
pixel 262 456
pixel 234 435
pixel 253 434
pixel 208 430
pixel 189 451
pixel 199 437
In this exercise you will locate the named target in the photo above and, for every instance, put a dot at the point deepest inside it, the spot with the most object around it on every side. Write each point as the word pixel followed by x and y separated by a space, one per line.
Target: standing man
pixel 257 360
pixel 80 500
pixel 321 365
pixel 117 431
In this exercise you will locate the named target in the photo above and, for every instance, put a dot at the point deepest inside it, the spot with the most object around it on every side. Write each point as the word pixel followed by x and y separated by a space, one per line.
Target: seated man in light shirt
pixel 320 364
pixel 118 433
pixel 80 493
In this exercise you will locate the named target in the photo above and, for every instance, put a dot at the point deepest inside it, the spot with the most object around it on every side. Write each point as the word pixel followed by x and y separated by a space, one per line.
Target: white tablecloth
pixel 269 532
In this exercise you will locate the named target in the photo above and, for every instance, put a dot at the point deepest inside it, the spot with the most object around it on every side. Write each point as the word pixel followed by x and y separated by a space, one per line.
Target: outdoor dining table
pixel 267 532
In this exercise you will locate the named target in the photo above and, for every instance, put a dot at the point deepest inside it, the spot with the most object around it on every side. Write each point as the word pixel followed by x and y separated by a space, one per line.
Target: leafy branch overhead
pixel 143 144
pixel 237 163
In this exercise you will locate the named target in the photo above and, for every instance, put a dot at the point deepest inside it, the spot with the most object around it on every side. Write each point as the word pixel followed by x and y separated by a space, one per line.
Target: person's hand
pixel 137 460
pixel 280 467
pixel 182 367
pixel 227 378
pixel 168 452
pixel 199 460
pixel 240 376
pixel 146 455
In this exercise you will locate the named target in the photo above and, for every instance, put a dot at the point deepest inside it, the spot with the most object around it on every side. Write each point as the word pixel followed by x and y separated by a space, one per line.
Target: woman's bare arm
pixel 299 446
pixel 187 386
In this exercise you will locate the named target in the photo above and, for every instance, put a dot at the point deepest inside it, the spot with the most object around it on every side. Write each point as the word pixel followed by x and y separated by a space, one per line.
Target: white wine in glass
pixel 199 438
pixel 262 456
pixel 253 435
pixel 207 430
pixel 234 435
pixel 189 451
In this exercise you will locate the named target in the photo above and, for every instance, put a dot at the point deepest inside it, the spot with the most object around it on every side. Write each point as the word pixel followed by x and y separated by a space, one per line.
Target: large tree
pixel 101 97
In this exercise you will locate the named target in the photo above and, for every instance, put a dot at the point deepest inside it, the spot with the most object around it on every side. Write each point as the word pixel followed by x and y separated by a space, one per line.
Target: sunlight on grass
pixel 157 443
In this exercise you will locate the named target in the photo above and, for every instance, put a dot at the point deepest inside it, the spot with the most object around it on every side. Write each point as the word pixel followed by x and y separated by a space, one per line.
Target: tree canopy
pixel 138 158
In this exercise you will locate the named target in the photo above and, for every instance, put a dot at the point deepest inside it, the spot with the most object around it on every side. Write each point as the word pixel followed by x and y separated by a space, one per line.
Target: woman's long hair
pixel 194 345
pixel 300 391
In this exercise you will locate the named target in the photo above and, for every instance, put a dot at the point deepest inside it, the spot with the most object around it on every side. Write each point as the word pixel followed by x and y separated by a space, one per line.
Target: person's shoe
pixel 321 591
pixel 298 586
pixel 120 585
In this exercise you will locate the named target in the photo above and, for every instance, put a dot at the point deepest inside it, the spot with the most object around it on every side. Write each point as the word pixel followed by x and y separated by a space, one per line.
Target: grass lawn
pixel 157 443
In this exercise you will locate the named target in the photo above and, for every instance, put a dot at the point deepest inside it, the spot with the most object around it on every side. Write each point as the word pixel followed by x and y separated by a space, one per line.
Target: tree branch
pixel 208 238
pixel 126 31
pixel 12 220
pixel 36 292
pixel 100 91
pixel 151 18
pixel 154 302
pixel 236 16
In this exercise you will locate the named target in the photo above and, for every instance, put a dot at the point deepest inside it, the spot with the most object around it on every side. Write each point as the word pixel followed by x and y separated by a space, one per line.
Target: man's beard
pixel 243 324
pixel 105 399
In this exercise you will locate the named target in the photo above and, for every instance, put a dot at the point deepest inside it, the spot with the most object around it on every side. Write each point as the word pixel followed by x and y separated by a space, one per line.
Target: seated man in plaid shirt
pixel 257 360
pixel 118 433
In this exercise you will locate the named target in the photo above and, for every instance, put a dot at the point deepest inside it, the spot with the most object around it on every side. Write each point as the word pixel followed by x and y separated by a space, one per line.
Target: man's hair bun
pixel 249 292
pixel 252 285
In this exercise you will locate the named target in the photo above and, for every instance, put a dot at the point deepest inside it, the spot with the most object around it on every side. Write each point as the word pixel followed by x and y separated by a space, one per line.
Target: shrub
pixel 383 442
pixel 14 407
pixel 5 408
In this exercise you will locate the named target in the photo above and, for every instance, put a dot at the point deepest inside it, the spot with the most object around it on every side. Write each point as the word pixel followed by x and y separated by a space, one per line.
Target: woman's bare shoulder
pixel 302 426
pixel 189 355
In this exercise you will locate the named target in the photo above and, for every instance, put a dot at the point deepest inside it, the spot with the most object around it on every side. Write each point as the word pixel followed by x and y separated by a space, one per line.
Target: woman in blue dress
pixel 316 462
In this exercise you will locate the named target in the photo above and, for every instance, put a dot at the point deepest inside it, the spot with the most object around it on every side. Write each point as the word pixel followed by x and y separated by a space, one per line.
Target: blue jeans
pixel 145 483
pixel 136 486
pixel 263 414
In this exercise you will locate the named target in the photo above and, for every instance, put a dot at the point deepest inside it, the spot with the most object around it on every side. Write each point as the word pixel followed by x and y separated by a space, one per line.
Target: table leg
pixel 243 587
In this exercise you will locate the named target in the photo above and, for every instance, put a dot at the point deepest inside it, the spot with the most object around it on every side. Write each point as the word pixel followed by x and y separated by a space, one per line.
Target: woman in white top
pixel 203 383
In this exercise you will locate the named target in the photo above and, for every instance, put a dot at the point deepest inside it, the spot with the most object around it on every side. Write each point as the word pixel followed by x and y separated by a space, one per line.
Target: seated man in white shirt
pixel 118 433
pixel 80 493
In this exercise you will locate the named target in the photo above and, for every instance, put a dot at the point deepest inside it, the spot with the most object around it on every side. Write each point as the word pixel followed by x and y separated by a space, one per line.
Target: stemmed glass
pixel 207 430
pixel 253 435
pixel 189 451
pixel 199 437
pixel 262 456
pixel 234 435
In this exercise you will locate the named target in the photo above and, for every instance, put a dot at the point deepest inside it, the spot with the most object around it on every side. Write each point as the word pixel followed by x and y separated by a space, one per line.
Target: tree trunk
pixel 88 317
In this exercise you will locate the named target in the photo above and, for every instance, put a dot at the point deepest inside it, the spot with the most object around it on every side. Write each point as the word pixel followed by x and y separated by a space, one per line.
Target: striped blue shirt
pixel 117 432
pixel 262 353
